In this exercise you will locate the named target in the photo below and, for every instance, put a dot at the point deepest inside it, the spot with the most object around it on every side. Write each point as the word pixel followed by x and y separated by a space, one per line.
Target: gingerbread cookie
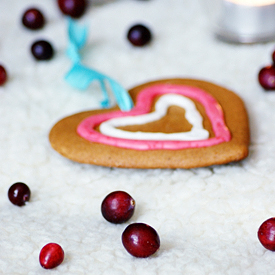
pixel 175 123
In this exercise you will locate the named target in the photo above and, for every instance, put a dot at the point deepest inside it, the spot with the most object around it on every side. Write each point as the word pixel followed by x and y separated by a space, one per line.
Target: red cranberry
pixel 42 50
pixel 19 193
pixel 266 78
pixel 140 240
pixel 266 234
pixel 73 8
pixel 139 35
pixel 3 75
pixel 118 207
pixel 33 19
pixel 51 255
pixel 273 57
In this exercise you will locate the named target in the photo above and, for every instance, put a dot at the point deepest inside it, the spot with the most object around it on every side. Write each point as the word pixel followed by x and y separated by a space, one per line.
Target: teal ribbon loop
pixel 80 76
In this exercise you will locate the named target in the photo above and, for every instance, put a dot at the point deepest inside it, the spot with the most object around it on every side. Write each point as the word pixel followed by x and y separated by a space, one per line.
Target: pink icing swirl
pixel 86 128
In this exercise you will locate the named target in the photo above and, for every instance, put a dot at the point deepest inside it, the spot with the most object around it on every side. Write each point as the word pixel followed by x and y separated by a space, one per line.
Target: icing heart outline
pixel 86 128
pixel 192 115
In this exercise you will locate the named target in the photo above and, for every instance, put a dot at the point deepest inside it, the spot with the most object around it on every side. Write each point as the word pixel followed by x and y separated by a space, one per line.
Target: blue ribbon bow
pixel 80 76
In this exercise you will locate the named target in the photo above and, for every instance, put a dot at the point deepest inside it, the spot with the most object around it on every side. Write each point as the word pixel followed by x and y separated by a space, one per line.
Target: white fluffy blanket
pixel 207 218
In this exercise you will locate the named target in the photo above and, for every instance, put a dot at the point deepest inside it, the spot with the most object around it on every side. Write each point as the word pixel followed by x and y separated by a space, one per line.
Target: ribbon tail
pixel 105 103
pixel 123 99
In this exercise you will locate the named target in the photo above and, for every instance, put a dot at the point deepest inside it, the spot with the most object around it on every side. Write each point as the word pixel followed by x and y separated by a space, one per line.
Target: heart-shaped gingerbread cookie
pixel 175 123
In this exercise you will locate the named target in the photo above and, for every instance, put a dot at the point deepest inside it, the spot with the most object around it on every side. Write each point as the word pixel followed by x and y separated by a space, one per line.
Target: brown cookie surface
pixel 65 140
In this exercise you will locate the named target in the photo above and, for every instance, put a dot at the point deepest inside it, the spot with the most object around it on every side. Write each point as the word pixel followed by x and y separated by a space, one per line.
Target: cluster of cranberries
pixel 34 19
pixel 138 35
pixel 266 76
pixel 52 254
pixel 139 239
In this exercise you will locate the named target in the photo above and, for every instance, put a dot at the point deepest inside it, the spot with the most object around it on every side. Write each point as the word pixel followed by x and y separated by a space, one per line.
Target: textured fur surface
pixel 207 218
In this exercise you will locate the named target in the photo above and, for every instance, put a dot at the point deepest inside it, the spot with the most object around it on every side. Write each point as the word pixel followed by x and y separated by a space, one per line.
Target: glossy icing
pixel 197 132
pixel 86 128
